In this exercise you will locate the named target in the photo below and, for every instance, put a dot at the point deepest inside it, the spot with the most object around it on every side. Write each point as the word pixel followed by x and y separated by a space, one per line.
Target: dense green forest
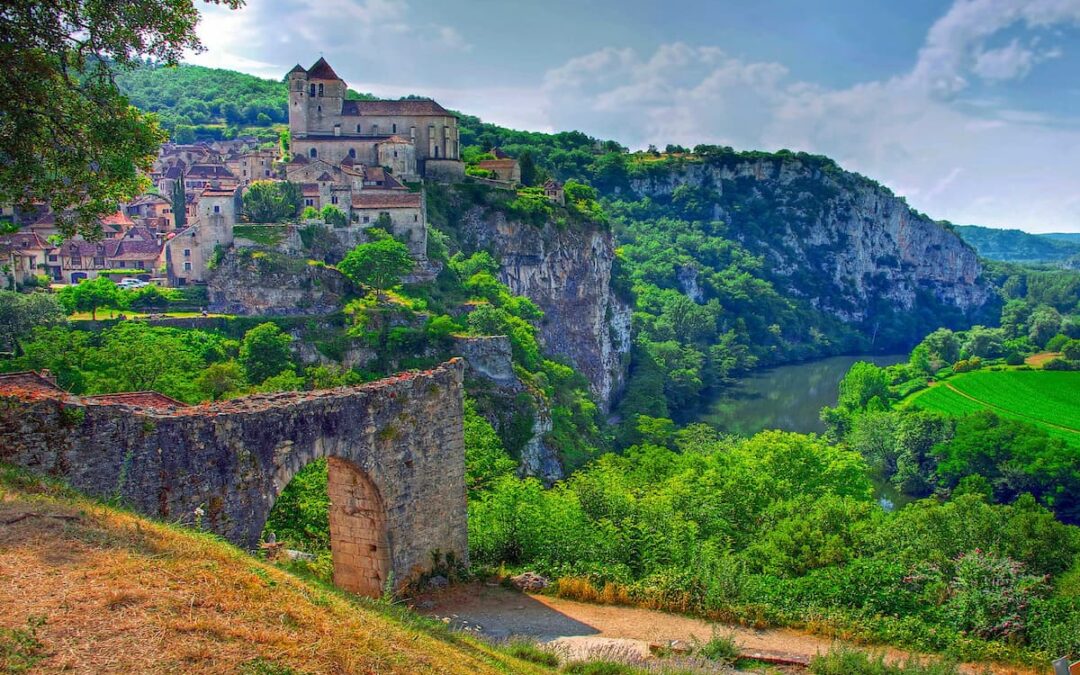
pixel 1019 246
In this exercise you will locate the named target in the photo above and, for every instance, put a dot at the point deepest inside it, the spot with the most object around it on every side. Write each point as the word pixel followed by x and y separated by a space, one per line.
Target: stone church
pixel 412 138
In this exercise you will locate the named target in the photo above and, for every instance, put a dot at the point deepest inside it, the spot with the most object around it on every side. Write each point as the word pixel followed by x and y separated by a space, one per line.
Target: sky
pixel 968 108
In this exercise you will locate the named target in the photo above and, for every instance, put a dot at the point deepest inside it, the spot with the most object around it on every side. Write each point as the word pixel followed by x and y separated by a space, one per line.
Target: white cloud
pixel 968 161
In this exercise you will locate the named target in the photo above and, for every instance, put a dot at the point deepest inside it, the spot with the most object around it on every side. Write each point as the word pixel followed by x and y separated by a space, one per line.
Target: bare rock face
pixel 845 243
pixel 567 273
pixel 257 282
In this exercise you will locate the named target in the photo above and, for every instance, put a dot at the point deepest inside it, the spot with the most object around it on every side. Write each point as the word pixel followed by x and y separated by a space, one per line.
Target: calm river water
pixel 786 397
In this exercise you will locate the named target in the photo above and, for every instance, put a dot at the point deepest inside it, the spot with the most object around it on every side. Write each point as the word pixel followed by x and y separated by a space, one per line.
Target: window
pixel 187 267
pixel 76 261
pixel 333 199
pixel 267 172
pixel 123 264
pixel 374 129
pixel 393 128
pixel 313 153
pixel 217 209
pixel 352 153
pixel 52 258
pixel 187 252
pixel 359 129
pixel 309 202
pixel 367 219
pixel 99 262
pixel 311 90
pixel 140 264
pixel 320 89
pixel 416 218
pixel 395 154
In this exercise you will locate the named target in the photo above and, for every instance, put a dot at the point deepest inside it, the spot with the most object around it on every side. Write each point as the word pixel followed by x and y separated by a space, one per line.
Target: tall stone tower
pixel 298 101
pixel 316 97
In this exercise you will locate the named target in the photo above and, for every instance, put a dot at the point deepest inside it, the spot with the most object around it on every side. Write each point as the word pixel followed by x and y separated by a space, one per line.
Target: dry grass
pixel 1037 360
pixel 122 594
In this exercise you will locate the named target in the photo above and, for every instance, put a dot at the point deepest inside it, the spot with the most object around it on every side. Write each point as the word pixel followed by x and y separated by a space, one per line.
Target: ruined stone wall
pixel 401 438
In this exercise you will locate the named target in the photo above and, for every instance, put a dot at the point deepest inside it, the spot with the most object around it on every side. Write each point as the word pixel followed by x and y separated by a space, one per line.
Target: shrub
pixel 990 595
pixel 719 648
pixel 1059 363
pixel 850 662
pixel 531 652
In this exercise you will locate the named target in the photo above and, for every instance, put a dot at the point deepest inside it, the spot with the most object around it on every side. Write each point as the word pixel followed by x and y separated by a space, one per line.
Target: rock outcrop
pixel 843 242
pixel 251 281
pixel 567 273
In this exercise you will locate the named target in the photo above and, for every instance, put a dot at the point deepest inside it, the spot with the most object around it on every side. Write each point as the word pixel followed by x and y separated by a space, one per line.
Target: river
pixel 786 397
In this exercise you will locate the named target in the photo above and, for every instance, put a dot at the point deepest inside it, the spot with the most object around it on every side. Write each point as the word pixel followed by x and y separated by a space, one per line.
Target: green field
pixel 1048 399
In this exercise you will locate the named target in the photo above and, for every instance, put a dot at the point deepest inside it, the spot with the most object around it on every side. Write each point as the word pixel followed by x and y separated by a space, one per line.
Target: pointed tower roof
pixel 322 71
pixel 296 69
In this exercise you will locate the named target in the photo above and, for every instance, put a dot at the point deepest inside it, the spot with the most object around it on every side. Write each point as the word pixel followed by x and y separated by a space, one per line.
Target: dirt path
pixel 498 613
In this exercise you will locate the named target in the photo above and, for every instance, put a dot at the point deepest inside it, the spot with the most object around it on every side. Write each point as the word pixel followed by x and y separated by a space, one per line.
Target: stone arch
pixel 395 447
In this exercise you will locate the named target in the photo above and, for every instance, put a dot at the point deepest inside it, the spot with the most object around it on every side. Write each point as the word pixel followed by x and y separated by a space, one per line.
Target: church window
pixel 217 209
pixel 395 154
pixel 352 153
pixel 374 129
pixel 311 90
pixel 333 199
pixel 394 128
pixel 313 153
pixel 436 152
pixel 358 129
pixel 320 89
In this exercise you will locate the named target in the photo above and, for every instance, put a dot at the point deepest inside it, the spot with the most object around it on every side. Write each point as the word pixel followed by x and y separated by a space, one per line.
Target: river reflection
pixel 787 397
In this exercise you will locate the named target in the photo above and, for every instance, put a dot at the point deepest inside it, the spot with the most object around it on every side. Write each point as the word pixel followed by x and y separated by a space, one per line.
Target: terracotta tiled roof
pixel 218 192
pixel 391 108
pixel 117 220
pixel 322 71
pixel 137 399
pixel 24 241
pixel 386 199
pixel 497 164
pixel 398 139
pixel 209 171
pixel 309 189
pixel 27 381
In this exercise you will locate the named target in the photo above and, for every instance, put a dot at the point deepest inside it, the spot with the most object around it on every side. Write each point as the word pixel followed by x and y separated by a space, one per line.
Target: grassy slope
pixel 120 593
pixel 1049 399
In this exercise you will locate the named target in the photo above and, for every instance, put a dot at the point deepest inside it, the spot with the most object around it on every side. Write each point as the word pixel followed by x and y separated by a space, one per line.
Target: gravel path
pixel 499 613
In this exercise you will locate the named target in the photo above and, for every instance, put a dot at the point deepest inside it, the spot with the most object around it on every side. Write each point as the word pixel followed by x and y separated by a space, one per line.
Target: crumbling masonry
pixel 394 447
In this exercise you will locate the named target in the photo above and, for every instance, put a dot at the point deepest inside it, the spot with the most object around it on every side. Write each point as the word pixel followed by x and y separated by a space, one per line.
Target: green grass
pixel 1048 399
pixel 266 235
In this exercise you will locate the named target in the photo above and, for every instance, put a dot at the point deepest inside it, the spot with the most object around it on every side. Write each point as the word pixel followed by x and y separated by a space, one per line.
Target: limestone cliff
pixel 844 243
pixel 252 281
pixel 567 272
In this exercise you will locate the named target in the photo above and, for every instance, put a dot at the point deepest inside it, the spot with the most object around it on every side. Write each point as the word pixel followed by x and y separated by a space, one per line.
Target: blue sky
pixel 969 108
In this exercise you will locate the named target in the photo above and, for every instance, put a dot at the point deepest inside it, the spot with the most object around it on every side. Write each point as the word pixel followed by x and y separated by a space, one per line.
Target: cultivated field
pixel 1049 399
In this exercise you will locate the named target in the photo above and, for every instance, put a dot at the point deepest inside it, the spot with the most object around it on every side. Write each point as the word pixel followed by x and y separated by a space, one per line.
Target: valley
pixel 298 379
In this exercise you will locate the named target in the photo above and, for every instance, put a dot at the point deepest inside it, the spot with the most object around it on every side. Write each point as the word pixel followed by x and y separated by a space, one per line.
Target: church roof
pixel 296 69
pixel 322 71
pixel 418 106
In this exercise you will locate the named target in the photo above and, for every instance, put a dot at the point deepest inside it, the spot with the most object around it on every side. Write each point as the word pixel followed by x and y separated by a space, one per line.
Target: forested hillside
pixel 1018 246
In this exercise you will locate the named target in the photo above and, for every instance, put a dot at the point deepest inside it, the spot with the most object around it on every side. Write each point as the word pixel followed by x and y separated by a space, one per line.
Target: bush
pixel 1014 359
pixel 719 648
pixel 850 662
pixel 1059 363
pixel 531 652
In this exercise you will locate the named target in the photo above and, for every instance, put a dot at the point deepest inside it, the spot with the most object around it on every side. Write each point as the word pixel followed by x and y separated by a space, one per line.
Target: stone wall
pixel 398 470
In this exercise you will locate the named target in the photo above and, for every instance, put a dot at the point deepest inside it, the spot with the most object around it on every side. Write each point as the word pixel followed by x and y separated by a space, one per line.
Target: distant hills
pixel 1019 246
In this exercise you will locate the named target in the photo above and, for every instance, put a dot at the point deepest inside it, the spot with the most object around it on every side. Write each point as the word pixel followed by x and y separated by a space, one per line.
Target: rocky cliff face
pixel 567 273
pixel 263 282
pixel 846 244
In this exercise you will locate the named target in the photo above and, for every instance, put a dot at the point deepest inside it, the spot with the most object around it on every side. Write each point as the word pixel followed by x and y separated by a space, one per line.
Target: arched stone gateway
pixel 394 447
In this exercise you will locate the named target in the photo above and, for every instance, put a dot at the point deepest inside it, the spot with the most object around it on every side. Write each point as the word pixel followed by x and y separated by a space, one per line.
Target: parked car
pixel 131 283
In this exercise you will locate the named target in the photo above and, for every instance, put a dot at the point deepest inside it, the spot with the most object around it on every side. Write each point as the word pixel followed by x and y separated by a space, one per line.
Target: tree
pixel 527 165
pixel 90 295
pixel 219 379
pixel 863 383
pixel 378 264
pixel 265 352
pixel 21 313
pixel 270 201
pixel 332 215
pixel 68 137
pixel 1045 324
pixel 179 205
